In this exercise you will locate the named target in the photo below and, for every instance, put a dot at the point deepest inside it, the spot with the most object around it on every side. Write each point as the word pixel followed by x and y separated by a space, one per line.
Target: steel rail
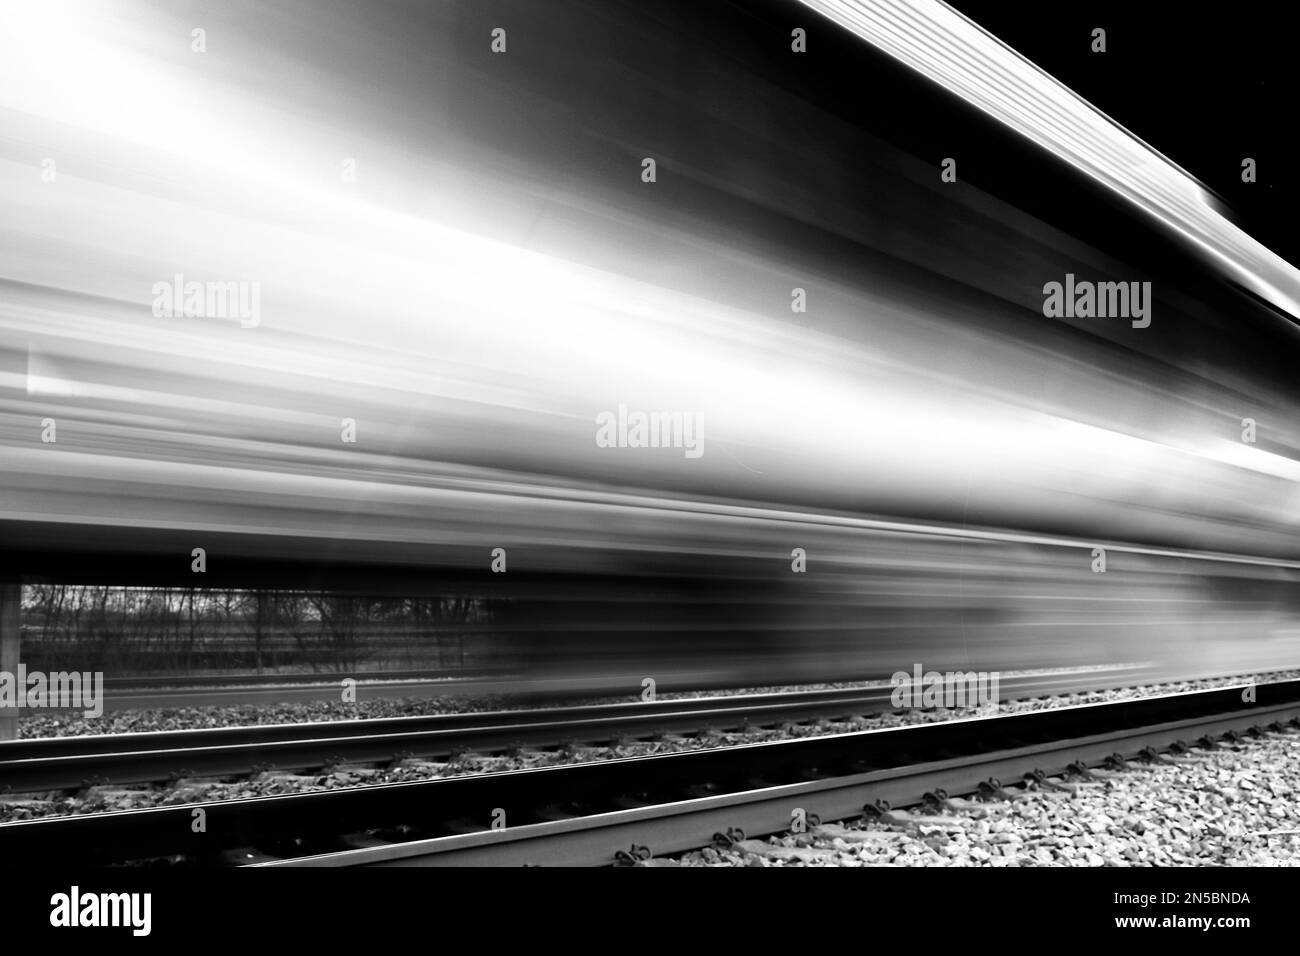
pixel 185 682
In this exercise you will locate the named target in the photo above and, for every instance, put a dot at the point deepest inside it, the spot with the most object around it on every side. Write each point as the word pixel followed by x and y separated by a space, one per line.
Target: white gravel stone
pixel 1158 814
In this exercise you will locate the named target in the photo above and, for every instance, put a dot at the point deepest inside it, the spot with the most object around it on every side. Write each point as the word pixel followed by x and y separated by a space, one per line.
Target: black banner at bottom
pixel 268 906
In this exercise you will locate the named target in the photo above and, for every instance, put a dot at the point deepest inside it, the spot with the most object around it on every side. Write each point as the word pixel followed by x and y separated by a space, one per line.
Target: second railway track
pixel 69 763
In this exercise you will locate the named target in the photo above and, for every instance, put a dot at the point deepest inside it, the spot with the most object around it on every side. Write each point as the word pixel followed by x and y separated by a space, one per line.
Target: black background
pixel 1205 85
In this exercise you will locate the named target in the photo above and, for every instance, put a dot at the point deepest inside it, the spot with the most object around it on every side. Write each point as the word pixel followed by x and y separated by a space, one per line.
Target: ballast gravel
pixel 1234 805
pixel 36 724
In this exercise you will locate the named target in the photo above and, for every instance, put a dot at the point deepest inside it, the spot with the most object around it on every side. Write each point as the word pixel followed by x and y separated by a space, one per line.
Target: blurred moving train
pixel 427 271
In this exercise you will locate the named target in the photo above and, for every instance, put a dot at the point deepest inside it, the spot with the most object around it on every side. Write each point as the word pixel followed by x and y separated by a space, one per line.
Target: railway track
pixel 149 693
pixel 130 694
pixel 173 682
pixel 69 763
pixel 585 814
